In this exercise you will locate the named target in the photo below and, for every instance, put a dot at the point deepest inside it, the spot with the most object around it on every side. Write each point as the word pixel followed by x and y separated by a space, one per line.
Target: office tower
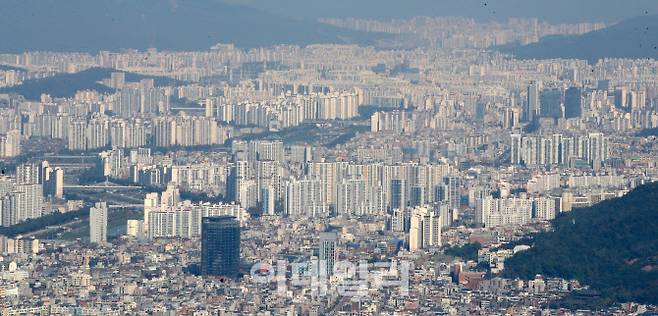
pixel 621 99
pixel 451 191
pixel 417 196
pixel 398 194
pixel 220 246
pixel 532 103
pixel 267 198
pixel 551 103
pixel 515 149
pixel 572 103
pixel 327 250
pixel 480 110
pixel 98 223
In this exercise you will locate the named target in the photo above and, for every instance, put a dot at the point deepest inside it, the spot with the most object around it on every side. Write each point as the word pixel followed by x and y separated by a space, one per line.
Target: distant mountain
pixel 633 38
pixel 93 25
pixel 556 11
pixel 611 246
pixel 66 85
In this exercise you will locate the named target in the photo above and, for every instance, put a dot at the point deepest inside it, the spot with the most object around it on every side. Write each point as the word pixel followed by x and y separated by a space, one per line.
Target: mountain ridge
pixel 632 38
pixel 611 246
pixel 95 25
pixel 65 85
pixel 555 11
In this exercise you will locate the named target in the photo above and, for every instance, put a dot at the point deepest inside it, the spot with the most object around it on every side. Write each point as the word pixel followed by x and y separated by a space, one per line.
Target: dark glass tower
pixel 550 102
pixel 220 246
pixel 572 103
pixel 532 103
pixel 451 191
pixel 480 110
pixel 398 194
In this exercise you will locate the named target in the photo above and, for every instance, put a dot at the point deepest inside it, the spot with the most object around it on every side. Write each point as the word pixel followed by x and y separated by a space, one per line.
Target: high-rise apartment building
pixel 425 229
pixel 10 144
pixel 98 223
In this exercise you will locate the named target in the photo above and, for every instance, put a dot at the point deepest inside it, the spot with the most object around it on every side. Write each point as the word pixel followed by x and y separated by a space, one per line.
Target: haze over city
pixel 307 157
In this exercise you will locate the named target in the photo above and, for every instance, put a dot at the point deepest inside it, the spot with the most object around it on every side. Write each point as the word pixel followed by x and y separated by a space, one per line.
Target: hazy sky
pixel 553 10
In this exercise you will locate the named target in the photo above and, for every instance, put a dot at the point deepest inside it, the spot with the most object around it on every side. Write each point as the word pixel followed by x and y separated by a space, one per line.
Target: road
pixel 50 229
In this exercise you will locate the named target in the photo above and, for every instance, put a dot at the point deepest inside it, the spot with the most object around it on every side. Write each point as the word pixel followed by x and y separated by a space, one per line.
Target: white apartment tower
pixel 98 223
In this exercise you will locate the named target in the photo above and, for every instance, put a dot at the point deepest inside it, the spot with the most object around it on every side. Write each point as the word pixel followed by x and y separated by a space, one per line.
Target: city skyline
pixel 383 162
